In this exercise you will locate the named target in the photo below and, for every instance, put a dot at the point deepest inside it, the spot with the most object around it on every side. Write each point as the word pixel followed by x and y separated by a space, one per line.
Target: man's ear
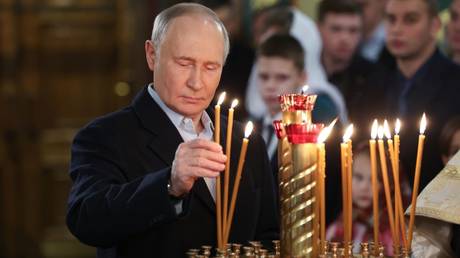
pixel 150 54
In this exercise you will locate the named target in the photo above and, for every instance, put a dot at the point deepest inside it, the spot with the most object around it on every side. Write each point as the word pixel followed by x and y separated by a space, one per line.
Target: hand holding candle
pixel 236 185
pixel 418 166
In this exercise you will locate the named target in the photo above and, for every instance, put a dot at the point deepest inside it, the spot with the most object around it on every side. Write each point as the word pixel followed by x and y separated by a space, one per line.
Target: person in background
pixel 280 70
pixel 424 81
pixel 340 23
pixel 449 140
pixel 289 20
pixel 362 195
pixel 372 46
pixel 453 31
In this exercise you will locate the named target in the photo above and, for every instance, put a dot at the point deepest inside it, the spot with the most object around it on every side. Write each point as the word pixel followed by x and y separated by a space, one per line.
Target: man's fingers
pixel 208 164
pixel 205 144
pixel 203 172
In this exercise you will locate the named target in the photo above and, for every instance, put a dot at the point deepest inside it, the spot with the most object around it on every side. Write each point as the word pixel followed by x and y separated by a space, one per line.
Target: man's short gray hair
pixel 162 21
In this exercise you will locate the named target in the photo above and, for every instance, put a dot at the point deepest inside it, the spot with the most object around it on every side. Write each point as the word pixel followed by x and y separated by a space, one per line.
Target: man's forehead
pixel 406 6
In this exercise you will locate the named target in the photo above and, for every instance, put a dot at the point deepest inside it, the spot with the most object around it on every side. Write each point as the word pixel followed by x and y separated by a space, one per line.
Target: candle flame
pixel 380 132
pixel 326 132
pixel 234 103
pixel 397 126
pixel 304 89
pixel 221 98
pixel 386 129
pixel 248 129
pixel 375 126
pixel 423 124
pixel 348 133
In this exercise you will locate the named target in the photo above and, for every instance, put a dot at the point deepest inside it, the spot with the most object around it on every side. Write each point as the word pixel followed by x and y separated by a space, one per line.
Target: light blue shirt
pixel 187 130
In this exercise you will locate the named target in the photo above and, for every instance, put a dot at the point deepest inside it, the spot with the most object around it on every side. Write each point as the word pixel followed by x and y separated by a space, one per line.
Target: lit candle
pixel 399 216
pixel 218 196
pixel 345 151
pixel 399 209
pixel 349 180
pixel 418 165
pixel 244 146
pixel 383 165
pixel 321 184
pixel 375 186
pixel 387 133
pixel 228 152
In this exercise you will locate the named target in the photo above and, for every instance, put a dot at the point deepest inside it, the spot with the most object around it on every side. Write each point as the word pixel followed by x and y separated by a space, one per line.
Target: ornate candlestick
pixel 297 176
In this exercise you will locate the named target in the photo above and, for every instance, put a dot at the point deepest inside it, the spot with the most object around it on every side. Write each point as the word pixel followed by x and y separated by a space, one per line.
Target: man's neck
pixel 333 66
pixel 409 66
pixel 197 124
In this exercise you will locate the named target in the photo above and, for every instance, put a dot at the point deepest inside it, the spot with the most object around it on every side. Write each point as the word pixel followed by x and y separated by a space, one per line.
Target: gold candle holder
pixel 298 176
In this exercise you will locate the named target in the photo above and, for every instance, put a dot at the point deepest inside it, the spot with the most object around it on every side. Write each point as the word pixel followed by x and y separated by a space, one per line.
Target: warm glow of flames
pixel 423 124
pixel 348 133
pixel 397 126
pixel 304 89
pixel 234 103
pixel 380 132
pixel 326 132
pixel 386 129
pixel 221 98
pixel 375 126
pixel 248 129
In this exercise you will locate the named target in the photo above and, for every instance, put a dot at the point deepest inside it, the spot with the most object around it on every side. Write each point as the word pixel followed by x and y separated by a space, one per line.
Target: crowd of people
pixel 150 169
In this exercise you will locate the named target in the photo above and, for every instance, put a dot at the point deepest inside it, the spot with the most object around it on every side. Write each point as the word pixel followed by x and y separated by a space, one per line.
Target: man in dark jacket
pixel 144 178
pixel 423 81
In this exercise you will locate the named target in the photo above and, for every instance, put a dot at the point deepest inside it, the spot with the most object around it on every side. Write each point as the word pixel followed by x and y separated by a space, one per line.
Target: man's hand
pixel 194 159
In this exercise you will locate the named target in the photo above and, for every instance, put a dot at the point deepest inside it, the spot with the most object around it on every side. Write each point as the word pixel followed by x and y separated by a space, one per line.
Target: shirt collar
pixel 180 121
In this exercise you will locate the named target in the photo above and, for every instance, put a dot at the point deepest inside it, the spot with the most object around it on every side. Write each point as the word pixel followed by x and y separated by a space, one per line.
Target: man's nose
pixel 194 79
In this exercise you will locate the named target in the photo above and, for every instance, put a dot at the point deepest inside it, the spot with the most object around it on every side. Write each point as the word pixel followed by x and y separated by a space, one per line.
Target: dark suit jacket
pixel 436 92
pixel 119 202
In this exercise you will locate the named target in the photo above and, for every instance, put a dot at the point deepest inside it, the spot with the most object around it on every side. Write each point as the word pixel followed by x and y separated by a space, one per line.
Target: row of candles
pixel 225 212
pixel 396 216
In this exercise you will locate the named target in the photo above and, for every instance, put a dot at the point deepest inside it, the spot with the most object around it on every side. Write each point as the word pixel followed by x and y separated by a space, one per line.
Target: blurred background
pixel 63 63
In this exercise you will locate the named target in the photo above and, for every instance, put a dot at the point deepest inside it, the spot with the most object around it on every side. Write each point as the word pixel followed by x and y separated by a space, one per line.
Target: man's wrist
pixel 173 192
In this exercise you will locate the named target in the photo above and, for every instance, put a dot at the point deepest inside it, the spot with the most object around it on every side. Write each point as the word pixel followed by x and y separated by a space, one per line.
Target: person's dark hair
pixel 284 46
pixel 280 17
pixel 338 7
pixel 432 6
pixel 447 133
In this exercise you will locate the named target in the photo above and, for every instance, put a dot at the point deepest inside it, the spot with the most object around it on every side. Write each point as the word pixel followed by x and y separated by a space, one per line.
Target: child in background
pixel 362 195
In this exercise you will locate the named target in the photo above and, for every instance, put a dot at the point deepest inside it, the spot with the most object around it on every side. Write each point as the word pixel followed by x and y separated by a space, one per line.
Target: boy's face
pixel 277 76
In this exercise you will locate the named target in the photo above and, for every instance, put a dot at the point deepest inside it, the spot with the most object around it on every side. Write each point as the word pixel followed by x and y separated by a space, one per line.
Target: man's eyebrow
pixel 184 58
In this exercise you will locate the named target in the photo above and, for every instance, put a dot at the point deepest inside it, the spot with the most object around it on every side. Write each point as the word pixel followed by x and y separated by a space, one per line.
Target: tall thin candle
pixel 321 184
pixel 383 165
pixel 375 187
pixel 236 186
pixel 218 193
pixel 228 152
pixel 418 166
